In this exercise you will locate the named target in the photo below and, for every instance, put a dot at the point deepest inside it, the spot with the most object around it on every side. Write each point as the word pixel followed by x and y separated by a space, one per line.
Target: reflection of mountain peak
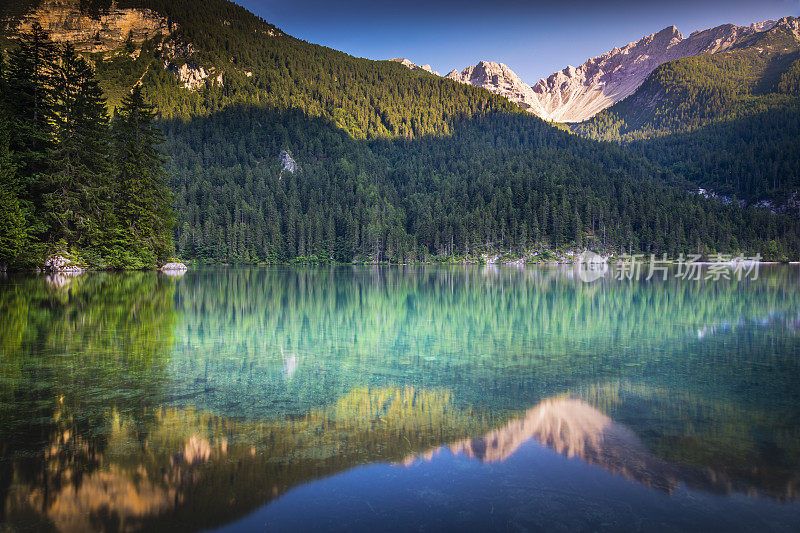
pixel 574 428
pixel 569 426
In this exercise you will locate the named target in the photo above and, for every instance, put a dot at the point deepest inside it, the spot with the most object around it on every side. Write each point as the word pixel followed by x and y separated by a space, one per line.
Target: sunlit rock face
pixel 413 66
pixel 577 94
pixel 499 79
pixel 792 24
pixel 190 76
pixel 108 30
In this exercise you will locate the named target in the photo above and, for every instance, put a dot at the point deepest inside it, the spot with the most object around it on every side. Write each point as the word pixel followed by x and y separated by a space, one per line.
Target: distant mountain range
pixel 577 94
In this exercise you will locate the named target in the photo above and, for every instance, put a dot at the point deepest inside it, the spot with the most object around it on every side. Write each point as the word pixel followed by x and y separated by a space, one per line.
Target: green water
pixel 246 397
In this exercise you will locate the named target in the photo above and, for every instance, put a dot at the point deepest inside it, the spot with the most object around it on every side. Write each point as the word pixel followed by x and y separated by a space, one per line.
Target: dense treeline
pixel 752 159
pixel 262 66
pixel 73 181
pixel 504 182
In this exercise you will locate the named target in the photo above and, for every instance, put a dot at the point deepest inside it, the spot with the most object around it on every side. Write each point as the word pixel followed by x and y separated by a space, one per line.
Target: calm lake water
pixel 399 399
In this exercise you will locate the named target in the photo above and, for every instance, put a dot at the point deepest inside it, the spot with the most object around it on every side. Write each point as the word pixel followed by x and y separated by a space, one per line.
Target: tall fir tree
pixel 78 206
pixel 13 231
pixel 29 103
pixel 143 198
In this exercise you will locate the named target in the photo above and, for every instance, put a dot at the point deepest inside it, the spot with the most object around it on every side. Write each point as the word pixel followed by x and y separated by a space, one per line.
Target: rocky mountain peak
pixel 791 24
pixel 405 62
pixel 575 94
pixel 497 78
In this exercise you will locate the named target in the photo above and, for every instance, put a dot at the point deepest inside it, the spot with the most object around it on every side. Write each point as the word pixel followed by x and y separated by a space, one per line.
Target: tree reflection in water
pixel 139 401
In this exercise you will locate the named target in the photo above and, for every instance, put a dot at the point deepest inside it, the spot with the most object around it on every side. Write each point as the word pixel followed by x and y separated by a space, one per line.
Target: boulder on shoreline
pixel 61 262
pixel 174 267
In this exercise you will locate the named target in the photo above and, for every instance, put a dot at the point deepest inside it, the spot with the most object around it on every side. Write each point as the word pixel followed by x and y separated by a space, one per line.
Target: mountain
pixel 412 66
pixel 729 122
pixel 499 79
pixel 388 163
pixel 577 94
pixel 757 73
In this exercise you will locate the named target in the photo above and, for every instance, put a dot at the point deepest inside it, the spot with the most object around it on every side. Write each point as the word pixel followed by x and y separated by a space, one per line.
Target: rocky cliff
pixel 108 30
pixel 576 94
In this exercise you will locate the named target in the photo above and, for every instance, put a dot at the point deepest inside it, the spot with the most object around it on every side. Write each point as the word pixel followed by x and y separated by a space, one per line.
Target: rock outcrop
pixel 499 79
pixel 576 94
pixel 412 66
pixel 108 30
pixel 174 267
pixel 192 76
pixel 62 262
pixel 287 162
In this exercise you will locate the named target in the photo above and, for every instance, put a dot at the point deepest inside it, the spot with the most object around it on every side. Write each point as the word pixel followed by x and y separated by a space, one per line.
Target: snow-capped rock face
pixel 405 62
pixel 576 94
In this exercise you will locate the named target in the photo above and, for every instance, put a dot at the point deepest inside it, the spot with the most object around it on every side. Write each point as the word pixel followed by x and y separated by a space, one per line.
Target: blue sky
pixel 534 38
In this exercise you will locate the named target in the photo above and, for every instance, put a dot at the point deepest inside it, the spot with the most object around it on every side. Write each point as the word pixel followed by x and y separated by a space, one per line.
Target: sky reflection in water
pixel 356 398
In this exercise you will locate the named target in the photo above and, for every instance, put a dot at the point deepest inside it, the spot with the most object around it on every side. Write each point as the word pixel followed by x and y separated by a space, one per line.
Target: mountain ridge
pixel 575 94
pixel 730 122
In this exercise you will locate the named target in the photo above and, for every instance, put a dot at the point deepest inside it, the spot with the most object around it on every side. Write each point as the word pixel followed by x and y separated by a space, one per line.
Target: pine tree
pixel 13 223
pixel 78 205
pixel 29 104
pixel 13 233
pixel 144 201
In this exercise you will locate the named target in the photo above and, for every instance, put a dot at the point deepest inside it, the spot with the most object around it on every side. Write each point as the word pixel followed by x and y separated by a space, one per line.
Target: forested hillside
pixel 504 182
pixel 262 66
pixel 728 122
pixel 291 152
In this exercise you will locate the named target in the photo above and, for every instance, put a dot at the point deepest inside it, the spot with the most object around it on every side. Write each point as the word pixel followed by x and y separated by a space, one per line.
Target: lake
pixel 398 398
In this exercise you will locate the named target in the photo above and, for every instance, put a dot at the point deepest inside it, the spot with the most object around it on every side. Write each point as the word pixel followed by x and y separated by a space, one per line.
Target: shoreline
pixel 191 266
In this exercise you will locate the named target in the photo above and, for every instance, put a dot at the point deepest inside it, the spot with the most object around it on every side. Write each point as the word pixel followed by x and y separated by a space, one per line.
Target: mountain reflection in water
pixel 139 401
pixel 576 429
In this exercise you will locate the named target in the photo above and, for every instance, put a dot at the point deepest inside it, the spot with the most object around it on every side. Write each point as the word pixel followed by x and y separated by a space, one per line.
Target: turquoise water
pixel 425 398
